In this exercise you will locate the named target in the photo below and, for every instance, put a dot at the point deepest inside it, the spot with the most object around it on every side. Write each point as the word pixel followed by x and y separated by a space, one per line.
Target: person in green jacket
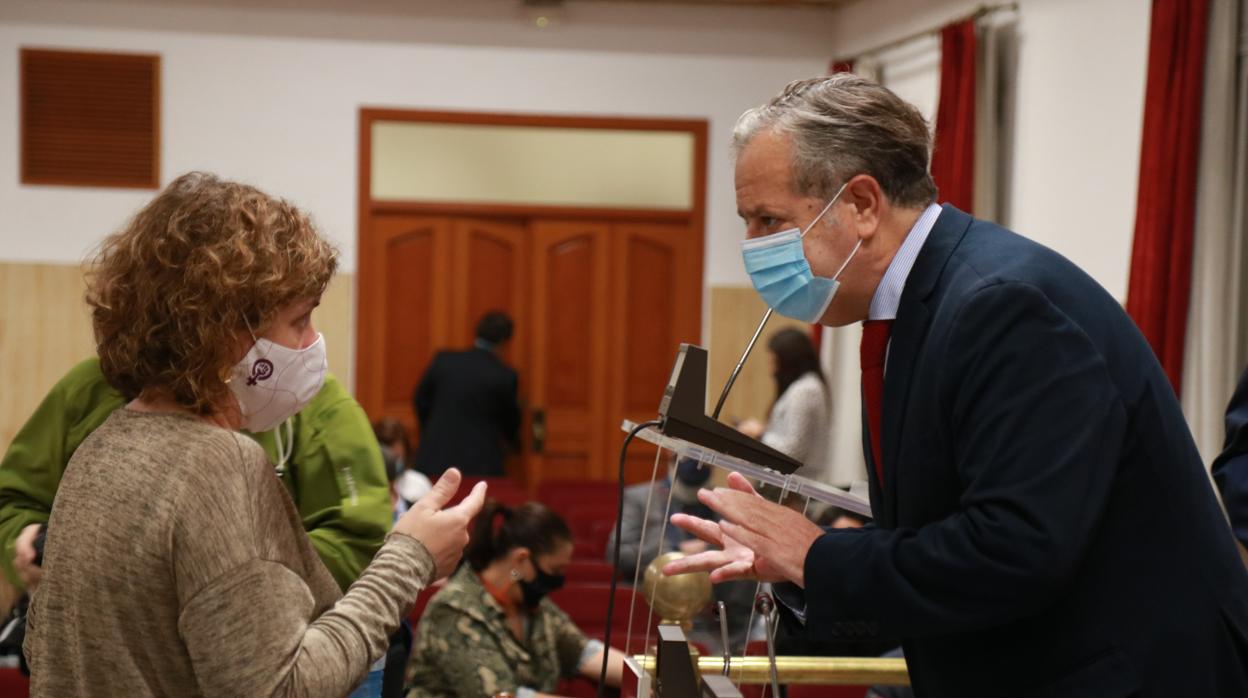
pixel 326 455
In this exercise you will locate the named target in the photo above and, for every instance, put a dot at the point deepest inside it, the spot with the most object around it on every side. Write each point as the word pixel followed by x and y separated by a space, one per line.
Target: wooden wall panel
pixel 44 330
pixel 569 348
pixel 409 340
pixel 334 319
pixel 735 312
pixel 490 259
pixel 402 311
pixel 656 306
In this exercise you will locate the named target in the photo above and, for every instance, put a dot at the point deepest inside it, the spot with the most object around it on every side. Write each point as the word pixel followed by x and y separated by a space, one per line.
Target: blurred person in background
pixel 800 419
pixel 467 407
pixel 492 629
pixel 406 485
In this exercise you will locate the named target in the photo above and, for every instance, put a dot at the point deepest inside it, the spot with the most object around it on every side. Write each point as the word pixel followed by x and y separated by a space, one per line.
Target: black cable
pixel 615 566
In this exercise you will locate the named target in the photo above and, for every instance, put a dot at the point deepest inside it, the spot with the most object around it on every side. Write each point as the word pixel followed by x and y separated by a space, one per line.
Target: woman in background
pixel 800 420
pixel 492 629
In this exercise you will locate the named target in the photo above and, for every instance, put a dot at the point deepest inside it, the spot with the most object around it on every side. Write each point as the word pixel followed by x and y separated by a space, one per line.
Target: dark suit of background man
pixel 467 408
pixel 1230 469
pixel 1044 524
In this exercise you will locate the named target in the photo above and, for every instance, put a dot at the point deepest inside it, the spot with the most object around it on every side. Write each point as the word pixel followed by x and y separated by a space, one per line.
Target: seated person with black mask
pixel 491 629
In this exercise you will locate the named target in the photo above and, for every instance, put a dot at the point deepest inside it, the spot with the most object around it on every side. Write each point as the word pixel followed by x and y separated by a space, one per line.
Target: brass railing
pixel 844 671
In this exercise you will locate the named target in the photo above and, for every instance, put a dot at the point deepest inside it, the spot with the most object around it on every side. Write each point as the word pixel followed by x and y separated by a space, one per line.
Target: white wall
pixel 243 98
pixel 263 92
pixel 1080 101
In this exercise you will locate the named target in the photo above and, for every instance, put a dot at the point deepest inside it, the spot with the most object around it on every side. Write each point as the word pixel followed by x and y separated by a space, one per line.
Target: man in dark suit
pixel 1044 525
pixel 467 408
pixel 1230 468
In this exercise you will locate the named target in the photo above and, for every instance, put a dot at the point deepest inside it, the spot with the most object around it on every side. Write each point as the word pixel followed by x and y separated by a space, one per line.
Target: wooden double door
pixel 599 309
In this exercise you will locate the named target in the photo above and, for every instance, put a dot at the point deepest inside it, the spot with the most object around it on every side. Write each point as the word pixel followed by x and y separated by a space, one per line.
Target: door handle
pixel 538 427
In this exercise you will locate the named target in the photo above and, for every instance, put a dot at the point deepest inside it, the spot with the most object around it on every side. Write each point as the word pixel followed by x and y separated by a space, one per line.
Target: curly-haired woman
pixel 176 563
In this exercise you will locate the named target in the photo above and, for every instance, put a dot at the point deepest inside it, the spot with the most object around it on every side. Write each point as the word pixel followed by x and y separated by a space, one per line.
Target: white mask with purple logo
pixel 272 382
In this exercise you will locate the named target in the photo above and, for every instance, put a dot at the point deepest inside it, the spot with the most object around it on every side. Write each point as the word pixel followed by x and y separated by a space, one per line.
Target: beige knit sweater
pixel 176 565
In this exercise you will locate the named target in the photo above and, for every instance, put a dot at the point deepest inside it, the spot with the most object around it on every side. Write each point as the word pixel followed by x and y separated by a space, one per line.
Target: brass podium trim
pixel 844 671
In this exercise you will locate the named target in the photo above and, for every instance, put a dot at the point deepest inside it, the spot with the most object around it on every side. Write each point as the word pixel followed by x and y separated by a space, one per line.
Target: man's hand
pixel 24 557
pixel 758 539
pixel 443 531
pixel 692 546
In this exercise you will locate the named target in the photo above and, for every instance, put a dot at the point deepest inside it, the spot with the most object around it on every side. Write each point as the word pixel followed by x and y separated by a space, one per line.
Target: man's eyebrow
pixel 760 210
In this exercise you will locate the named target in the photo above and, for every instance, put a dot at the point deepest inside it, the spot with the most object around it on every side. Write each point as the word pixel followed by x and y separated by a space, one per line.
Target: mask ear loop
pixel 831 201
pixel 852 252
pixel 858 244
pixel 284 450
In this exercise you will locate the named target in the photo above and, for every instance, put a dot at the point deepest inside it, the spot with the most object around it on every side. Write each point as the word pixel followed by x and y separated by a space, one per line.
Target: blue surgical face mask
pixel 781 274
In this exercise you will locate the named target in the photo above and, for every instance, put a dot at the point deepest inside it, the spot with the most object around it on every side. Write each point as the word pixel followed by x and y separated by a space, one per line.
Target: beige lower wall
pixel 44 330
pixel 735 312
pixel 336 320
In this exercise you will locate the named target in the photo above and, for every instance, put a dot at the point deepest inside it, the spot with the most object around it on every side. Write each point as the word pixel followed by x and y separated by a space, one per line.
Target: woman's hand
pixel 592 667
pixel 443 531
pixel 24 557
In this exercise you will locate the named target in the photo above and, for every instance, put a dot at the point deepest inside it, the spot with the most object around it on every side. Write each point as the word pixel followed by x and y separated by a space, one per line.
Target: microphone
pixel 736 371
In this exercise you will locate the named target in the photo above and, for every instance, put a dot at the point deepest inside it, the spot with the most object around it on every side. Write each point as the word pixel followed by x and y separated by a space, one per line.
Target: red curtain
pixel 953 160
pixel 1165 208
pixel 841 67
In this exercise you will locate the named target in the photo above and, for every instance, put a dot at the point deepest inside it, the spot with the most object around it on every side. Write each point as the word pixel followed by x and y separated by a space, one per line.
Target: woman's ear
pixel 240 344
pixel 518 557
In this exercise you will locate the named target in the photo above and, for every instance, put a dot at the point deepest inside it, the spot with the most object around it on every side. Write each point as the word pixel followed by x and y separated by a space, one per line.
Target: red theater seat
pixel 503 489
pixel 589 572
pixel 580 687
pixel 418 609
pixel 13 684
pixel 565 495
pixel 586 605
pixel 589 507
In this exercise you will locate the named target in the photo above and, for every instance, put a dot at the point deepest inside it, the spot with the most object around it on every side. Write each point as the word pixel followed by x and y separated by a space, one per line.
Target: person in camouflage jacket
pixel 492 629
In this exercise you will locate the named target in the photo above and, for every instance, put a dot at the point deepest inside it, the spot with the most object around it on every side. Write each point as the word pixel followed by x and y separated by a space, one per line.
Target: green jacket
pixel 335 474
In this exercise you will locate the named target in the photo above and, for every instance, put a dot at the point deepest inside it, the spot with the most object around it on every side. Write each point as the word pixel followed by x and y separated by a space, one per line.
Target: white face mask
pixel 272 382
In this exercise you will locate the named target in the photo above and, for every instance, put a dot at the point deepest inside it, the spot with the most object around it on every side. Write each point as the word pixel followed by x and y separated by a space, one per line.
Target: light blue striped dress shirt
pixel 887 296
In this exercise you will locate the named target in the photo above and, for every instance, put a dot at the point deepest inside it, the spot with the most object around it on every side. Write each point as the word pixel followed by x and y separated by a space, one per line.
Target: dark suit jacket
pixel 1045 527
pixel 466 405
pixel 1230 468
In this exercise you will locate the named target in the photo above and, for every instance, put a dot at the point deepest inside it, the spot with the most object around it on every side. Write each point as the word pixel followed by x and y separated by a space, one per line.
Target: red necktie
pixel 872 352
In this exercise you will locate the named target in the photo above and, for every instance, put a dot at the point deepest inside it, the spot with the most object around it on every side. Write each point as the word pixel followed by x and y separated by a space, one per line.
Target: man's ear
pixel 866 205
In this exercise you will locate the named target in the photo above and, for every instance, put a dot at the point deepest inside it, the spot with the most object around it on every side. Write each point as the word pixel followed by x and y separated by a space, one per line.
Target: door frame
pixel 369 266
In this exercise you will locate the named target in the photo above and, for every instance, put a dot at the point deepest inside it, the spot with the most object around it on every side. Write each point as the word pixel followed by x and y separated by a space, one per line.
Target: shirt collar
pixel 887 298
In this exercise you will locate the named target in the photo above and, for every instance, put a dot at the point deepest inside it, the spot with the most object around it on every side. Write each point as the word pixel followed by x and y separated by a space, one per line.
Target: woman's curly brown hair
pixel 205 260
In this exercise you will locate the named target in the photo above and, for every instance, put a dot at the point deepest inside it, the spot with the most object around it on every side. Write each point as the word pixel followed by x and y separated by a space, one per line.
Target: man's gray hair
pixel 845 125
